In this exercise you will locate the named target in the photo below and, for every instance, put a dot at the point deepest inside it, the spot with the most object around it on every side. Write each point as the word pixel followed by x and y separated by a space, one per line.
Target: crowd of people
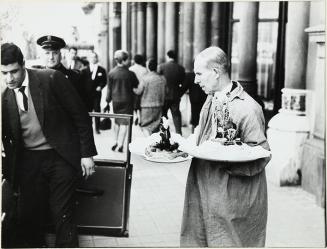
pixel 140 88
pixel 49 143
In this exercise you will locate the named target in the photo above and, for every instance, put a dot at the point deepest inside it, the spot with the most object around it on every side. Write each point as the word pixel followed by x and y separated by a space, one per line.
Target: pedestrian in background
pixel 74 62
pixel 152 90
pixel 96 80
pixel 197 98
pixel 121 82
pixel 174 74
pixel 139 71
pixel 48 144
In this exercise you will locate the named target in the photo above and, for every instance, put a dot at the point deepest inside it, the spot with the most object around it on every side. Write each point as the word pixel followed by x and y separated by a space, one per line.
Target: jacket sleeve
pixel 73 104
pixel 252 127
pixel 109 89
pixel 103 80
pixel 135 81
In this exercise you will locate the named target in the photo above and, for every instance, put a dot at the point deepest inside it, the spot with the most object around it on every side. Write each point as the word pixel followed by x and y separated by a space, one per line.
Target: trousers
pixel 97 108
pixel 46 181
pixel 173 105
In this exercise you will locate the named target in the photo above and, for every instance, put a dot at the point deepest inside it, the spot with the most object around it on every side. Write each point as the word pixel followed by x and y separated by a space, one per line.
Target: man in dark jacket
pixel 51 46
pixel 174 74
pixel 48 144
pixel 96 80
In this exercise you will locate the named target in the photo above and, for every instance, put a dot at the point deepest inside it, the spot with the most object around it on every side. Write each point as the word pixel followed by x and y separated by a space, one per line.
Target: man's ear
pixel 216 72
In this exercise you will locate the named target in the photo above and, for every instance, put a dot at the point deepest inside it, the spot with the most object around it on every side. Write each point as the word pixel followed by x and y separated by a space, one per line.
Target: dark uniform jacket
pixel 91 85
pixel 174 75
pixel 76 78
pixel 63 118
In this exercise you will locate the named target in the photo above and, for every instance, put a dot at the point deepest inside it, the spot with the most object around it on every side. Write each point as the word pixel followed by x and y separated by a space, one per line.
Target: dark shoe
pixel 136 121
pixel 114 147
pixel 120 149
pixel 97 131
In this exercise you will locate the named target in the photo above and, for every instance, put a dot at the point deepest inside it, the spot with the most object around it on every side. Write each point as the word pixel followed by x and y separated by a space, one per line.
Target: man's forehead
pixel 200 63
pixel 51 50
pixel 10 67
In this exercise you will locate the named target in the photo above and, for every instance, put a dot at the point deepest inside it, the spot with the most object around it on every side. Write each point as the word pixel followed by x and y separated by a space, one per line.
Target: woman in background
pixel 152 91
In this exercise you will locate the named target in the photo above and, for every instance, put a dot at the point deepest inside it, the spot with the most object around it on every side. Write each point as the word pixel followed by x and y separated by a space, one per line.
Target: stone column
pixel 110 35
pixel 247 46
pixel 296 45
pixel 171 26
pixel 313 160
pixel 215 23
pixel 103 37
pixel 124 25
pixel 128 28
pixel 116 26
pixel 180 46
pixel 200 27
pixel 161 32
pixel 188 36
pixel 151 33
pixel 289 129
pixel 141 28
pixel 133 29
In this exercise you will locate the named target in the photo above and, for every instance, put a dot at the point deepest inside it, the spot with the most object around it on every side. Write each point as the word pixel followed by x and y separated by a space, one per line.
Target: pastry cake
pixel 164 149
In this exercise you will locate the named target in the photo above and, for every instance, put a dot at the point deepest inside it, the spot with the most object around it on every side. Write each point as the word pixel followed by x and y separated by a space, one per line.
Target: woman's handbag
pixel 105 124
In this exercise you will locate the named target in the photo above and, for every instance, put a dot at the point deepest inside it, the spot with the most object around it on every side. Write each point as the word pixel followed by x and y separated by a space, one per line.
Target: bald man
pixel 225 203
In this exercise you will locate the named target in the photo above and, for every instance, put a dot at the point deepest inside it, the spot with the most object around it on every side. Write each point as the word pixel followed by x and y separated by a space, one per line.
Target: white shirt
pixel 94 69
pixel 139 71
pixel 72 64
pixel 19 95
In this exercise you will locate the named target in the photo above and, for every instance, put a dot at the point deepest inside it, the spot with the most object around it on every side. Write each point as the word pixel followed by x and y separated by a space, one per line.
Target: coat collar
pixel 237 92
pixel 10 115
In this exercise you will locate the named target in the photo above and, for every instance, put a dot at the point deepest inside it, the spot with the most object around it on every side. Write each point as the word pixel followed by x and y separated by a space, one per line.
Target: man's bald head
pixel 214 58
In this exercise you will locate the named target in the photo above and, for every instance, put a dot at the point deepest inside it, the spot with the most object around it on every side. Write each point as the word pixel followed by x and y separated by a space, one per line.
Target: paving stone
pixel 157 199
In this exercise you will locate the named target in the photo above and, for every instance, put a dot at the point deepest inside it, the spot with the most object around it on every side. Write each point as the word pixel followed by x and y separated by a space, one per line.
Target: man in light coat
pixel 225 202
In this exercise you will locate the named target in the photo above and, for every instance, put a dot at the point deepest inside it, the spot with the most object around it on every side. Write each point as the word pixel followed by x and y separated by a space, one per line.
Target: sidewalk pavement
pixel 156 206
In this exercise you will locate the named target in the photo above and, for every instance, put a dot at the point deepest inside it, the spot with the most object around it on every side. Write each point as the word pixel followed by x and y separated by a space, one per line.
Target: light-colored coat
pixel 226 203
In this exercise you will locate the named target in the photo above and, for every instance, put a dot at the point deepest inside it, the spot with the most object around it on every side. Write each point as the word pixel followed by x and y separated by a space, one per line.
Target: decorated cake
pixel 164 148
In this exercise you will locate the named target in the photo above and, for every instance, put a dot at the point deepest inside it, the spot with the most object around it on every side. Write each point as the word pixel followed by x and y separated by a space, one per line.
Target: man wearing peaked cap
pixel 51 41
pixel 51 46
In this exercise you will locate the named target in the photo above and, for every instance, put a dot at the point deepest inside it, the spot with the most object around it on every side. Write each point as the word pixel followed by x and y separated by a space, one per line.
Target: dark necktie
pixel 25 102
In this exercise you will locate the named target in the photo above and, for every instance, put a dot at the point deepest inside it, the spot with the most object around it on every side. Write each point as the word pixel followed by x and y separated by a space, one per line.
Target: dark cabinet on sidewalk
pixel 103 200
pixel 102 204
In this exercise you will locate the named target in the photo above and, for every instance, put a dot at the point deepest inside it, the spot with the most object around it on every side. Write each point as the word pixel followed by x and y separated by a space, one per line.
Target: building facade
pixel 276 51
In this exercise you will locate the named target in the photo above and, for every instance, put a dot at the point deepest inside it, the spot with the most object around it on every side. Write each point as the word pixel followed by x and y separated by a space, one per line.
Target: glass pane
pixel 268 10
pixel 234 57
pixel 266 49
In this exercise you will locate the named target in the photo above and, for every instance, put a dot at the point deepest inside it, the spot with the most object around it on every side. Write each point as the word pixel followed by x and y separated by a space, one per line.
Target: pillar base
pixel 286 135
pixel 314 169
